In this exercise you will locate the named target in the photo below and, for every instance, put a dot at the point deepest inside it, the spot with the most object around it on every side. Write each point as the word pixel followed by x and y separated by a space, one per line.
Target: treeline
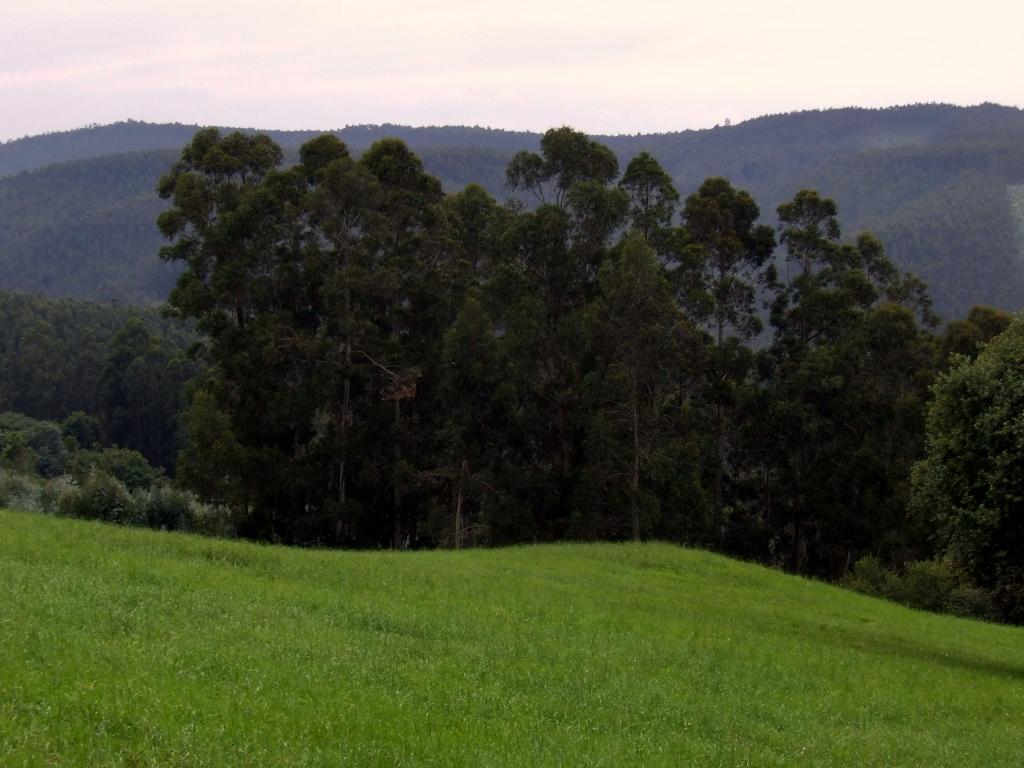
pixel 362 360
pixel 393 366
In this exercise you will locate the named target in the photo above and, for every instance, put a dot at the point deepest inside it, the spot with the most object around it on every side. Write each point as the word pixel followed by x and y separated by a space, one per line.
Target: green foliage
pixel 28 445
pixel 930 585
pixel 972 481
pixel 99 497
pixel 162 508
pixel 113 374
pixel 103 494
pixel 378 364
pixel 85 430
pixel 392 367
pixel 968 337
pixel 127 466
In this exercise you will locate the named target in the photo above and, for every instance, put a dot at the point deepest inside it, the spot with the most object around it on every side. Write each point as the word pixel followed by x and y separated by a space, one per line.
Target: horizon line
pixel 722 124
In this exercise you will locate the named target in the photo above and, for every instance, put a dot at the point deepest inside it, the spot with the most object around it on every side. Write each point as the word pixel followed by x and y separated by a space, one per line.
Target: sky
pixel 604 67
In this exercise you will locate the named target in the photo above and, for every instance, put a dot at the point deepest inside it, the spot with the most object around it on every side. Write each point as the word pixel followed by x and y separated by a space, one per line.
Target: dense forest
pixel 937 183
pixel 353 357
pixel 115 376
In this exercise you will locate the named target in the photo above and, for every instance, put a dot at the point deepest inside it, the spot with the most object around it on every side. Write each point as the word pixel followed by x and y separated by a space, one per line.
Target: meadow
pixel 127 647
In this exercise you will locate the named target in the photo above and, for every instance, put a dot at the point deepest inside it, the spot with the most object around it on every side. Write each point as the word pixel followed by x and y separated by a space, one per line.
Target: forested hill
pixel 34 152
pixel 943 186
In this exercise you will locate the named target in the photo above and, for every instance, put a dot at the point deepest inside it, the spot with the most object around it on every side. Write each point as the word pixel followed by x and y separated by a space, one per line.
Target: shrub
pixel 868 576
pixel 930 585
pixel 100 497
pixel 971 602
pixel 18 491
pixel 32 446
pixel 212 519
pixel 84 429
pixel 16 455
pixel 926 585
pixel 129 467
pixel 162 507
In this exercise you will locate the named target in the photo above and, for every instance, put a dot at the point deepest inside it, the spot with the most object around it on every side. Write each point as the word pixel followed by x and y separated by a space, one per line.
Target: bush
pixel 926 585
pixel 971 602
pixel 212 519
pixel 129 467
pixel 84 429
pixel 163 508
pixel 929 585
pixel 17 491
pixel 868 576
pixel 100 497
pixel 16 456
pixel 32 446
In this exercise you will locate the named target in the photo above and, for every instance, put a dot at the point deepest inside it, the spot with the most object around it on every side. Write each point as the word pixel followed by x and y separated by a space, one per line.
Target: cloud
pixel 653 65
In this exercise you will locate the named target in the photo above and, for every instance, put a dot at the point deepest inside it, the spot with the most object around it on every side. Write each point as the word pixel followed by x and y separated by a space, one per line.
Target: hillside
pixel 125 647
pixel 936 182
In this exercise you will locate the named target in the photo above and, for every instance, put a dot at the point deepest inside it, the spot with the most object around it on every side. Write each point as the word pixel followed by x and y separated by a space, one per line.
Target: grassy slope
pixel 127 647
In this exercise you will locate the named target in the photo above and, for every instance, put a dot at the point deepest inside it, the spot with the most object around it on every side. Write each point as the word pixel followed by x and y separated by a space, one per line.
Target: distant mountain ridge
pixel 940 185
pixel 34 152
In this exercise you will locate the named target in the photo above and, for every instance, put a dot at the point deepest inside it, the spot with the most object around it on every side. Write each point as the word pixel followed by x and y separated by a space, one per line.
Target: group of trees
pixel 391 366
pixel 355 358
pixel 114 376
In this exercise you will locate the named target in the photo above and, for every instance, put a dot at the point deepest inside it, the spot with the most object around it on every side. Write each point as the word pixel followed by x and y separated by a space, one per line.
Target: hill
pixel 939 183
pixel 128 647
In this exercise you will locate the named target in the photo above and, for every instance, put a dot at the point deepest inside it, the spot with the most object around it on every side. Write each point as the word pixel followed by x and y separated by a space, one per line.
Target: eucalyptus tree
pixel 410 274
pixel 548 278
pixel 846 374
pixel 640 344
pixel 653 200
pixel 566 158
pixel 732 257
pixel 237 224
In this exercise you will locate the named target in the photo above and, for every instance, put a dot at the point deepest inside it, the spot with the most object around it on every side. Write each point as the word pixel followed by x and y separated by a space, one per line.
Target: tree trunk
pixel 397 538
pixel 796 557
pixel 634 495
pixel 719 446
pixel 458 503
pixel 563 440
pixel 719 470
pixel 346 418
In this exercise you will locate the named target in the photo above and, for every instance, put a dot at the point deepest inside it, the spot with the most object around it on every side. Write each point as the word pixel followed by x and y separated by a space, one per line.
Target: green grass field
pixel 136 648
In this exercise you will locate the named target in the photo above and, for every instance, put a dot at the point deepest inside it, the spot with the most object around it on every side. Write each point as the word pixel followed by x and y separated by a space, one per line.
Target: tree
pixel 968 337
pixel 653 199
pixel 971 483
pixel 845 364
pixel 141 387
pixel 473 388
pixel 732 255
pixel 567 157
pixel 640 347
pixel 541 292
pixel 240 228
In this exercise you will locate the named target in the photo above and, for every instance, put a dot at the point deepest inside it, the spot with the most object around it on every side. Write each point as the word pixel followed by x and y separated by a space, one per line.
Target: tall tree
pixel 835 341
pixel 732 254
pixel 547 282
pixel 640 346
pixel 653 200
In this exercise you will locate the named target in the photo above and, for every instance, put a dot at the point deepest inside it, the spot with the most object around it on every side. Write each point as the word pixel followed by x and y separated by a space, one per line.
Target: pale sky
pixel 604 67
